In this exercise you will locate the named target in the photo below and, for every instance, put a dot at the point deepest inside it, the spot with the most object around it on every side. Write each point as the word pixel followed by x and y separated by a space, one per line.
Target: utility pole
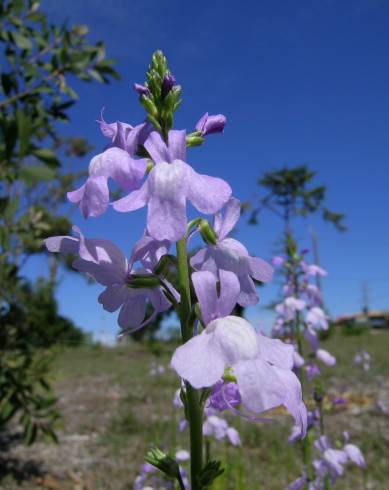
pixel 365 299
pixel 316 258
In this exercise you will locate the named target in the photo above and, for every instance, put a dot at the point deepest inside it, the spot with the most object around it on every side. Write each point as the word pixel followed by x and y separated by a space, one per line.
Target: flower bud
pixel 143 281
pixel 149 105
pixel 194 139
pixel 207 232
pixel 164 263
pixel 167 84
pixel 211 124
pixel 141 89
pixel 164 463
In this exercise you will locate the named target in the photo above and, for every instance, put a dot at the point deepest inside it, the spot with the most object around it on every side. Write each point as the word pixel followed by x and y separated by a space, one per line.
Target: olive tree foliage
pixel 38 63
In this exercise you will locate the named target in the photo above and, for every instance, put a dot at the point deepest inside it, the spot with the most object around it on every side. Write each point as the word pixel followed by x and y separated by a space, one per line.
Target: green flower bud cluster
pixel 161 102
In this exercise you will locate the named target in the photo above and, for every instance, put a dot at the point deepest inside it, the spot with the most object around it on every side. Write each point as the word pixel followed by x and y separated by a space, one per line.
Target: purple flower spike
pixel 141 89
pixel 171 183
pixel 211 124
pixel 115 163
pixel 262 366
pixel 105 263
pixel 230 255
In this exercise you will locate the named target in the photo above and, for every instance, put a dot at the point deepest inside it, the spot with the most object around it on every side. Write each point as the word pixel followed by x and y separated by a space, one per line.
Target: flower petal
pixel 96 197
pixel 260 269
pixel 248 292
pixel 293 398
pixel 166 217
pixel 204 283
pixel 204 260
pixel 276 352
pixel 259 386
pixel 207 194
pixel 118 165
pixel 229 292
pixel 157 148
pixel 135 200
pixel 224 224
pixel 77 195
pixel 214 306
pixel 62 244
pixel 133 311
pixel 113 297
pixel 325 357
pixel 177 145
pixel 199 361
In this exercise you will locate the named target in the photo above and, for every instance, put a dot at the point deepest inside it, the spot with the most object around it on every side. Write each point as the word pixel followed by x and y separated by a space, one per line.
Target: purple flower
pixel 277 261
pixel 298 484
pixel 125 136
pixel 114 163
pixel 167 84
pixel 261 365
pixel 224 396
pixel 313 294
pixel 171 183
pixel 230 255
pixel 289 307
pixel 211 124
pixel 312 269
pixel 317 318
pixel 105 263
pixel 312 371
pixel 339 401
pixel 182 455
pixel 325 357
pixel 141 89
pixel 219 429
pixel 298 360
pixel 355 455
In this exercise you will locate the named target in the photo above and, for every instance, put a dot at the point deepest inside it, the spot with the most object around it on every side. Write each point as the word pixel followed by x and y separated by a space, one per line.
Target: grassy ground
pixel 113 410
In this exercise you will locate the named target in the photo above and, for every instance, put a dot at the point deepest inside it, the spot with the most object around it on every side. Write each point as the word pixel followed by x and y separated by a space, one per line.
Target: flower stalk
pixel 193 407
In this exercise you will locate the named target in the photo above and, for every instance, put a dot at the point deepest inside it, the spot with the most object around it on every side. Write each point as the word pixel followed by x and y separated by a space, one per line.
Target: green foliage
pixel 290 193
pixel 352 328
pixel 39 60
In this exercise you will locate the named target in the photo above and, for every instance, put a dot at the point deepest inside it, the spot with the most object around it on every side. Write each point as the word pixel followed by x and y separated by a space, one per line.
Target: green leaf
pixel 33 174
pixel 47 156
pixel 21 42
pixel 3 203
pixel 30 433
pixel 24 131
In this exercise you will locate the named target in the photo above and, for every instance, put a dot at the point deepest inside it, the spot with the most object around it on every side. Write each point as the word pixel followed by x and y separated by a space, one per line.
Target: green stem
pixel 193 406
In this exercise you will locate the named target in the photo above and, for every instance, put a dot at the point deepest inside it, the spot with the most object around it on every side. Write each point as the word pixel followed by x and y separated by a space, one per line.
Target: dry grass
pixel 113 410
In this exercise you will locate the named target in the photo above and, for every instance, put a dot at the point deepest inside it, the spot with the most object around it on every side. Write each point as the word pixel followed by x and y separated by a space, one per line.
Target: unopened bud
pixel 194 140
pixel 141 89
pixel 207 232
pixel 149 105
pixel 211 124
pixel 143 281
pixel 167 84
pixel 156 457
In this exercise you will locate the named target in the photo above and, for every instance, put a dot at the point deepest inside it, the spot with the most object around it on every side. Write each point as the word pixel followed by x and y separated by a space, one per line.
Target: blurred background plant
pixel 38 63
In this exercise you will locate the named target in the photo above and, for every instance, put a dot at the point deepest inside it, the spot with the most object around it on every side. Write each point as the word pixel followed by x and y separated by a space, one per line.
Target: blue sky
pixel 299 82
